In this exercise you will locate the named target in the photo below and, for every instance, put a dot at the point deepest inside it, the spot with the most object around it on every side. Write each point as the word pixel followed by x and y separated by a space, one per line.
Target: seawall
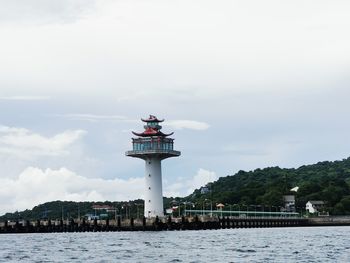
pixel 157 224
pixel 145 224
pixel 329 221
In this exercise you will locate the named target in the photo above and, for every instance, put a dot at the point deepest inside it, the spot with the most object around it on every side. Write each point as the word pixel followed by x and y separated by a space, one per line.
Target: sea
pixel 299 244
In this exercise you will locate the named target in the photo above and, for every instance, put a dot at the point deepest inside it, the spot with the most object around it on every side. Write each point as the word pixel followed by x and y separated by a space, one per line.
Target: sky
pixel 244 84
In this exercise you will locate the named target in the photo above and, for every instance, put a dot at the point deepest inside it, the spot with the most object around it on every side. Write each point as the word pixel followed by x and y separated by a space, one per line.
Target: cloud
pixel 35 186
pixel 186 186
pixel 6 129
pixel 256 70
pixel 93 117
pixel 200 179
pixel 175 124
pixel 27 144
pixel 26 98
pixel 247 149
pixel 43 11
pixel 187 124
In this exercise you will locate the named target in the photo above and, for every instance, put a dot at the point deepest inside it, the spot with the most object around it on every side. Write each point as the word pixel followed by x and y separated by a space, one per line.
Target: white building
pixel 314 206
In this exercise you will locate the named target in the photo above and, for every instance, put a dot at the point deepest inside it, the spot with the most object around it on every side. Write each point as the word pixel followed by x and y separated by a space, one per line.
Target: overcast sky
pixel 244 84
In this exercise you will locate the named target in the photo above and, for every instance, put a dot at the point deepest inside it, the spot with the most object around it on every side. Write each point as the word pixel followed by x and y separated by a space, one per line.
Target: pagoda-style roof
pixel 152 132
pixel 152 142
pixel 152 128
pixel 152 118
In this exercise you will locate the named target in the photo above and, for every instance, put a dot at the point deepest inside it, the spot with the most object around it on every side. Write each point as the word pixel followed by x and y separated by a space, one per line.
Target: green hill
pixel 326 181
pixel 263 188
pixel 70 209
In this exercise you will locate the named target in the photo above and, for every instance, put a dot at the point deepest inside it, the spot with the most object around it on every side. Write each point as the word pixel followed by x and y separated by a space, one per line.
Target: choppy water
pixel 316 244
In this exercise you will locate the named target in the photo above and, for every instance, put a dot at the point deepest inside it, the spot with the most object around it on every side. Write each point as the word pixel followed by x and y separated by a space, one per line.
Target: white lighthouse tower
pixel 153 146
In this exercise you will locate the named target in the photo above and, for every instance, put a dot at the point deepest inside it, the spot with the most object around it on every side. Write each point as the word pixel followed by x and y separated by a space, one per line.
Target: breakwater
pixel 147 224
pixel 329 221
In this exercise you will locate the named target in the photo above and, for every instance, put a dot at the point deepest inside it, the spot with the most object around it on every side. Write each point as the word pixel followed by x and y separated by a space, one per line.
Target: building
pixel 295 189
pixel 103 207
pixel 314 206
pixel 153 146
pixel 289 203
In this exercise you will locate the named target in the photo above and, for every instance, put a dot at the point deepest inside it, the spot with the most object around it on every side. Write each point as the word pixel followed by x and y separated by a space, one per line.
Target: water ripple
pixel 326 244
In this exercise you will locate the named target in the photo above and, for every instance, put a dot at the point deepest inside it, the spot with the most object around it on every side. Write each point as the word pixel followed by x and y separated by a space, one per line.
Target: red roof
pixel 152 132
pixel 152 118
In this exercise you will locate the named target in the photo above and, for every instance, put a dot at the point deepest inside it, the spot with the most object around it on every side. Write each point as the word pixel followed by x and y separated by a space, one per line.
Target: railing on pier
pixel 243 214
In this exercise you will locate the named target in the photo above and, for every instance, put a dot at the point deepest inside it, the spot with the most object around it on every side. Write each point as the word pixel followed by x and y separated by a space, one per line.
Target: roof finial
pixel 152 118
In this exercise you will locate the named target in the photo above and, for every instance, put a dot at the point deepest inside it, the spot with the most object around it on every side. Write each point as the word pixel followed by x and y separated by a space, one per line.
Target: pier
pixel 146 224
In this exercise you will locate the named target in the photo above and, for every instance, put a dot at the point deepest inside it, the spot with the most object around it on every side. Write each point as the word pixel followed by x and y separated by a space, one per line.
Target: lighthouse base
pixel 153 191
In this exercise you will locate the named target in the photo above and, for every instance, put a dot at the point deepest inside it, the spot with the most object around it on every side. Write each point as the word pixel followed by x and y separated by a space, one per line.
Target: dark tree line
pixel 326 181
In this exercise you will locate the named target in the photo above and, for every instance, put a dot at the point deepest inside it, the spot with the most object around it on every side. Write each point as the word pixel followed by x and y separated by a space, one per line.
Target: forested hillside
pixel 326 181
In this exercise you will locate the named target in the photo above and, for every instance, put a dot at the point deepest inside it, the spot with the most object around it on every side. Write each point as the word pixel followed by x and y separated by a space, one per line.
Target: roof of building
pixel 151 129
pixel 289 198
pixel 152 132
pixel 152 118
pixel 295 189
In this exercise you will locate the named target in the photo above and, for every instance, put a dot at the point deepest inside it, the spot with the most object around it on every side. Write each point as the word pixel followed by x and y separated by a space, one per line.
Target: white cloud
pixel 258 70
pixel 92 117
pixel 187 124
pixel 175 124
pixel 186 186
pixel 26 144
pixel 5 129
pixel 25 98
pixel 200 179
pixel 210 51
pixel 35 186
pixel 42 11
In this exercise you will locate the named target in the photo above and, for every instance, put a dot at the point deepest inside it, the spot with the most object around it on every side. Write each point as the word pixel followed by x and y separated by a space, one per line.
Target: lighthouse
pixel 153 146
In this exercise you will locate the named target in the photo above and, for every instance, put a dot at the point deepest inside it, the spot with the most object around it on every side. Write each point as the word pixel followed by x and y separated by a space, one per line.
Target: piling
pixel 156 224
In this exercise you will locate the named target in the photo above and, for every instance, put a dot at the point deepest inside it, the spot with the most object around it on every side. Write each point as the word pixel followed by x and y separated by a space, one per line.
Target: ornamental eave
pixel 152 118
pixel 151 134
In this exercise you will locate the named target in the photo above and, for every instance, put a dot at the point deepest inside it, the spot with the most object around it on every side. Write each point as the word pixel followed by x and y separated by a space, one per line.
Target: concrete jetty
pixel 164 224
pixel 147 224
